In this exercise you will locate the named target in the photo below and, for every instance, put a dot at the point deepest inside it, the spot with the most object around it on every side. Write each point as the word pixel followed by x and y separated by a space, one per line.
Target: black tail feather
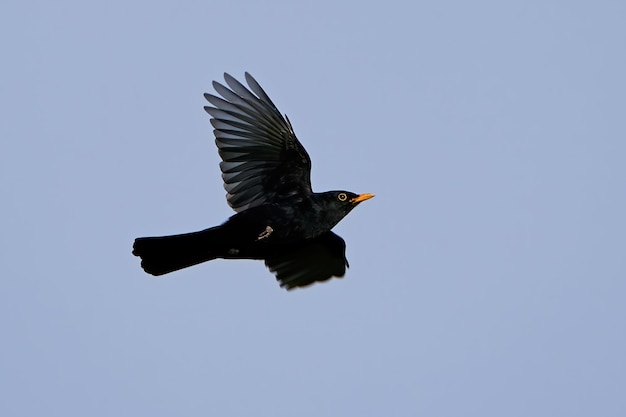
pixel 161 255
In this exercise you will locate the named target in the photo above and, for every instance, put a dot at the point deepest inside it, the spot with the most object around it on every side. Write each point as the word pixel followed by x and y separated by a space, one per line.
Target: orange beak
pixel 361 197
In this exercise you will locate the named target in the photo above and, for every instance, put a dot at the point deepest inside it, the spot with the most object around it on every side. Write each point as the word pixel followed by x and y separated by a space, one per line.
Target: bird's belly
pixel 261 231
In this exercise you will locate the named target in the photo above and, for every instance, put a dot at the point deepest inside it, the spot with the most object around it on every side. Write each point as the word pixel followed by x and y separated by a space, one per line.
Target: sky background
pixel 487 278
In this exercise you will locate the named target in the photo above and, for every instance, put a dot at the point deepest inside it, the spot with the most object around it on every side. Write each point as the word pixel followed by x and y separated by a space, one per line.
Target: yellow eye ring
pixel 342 197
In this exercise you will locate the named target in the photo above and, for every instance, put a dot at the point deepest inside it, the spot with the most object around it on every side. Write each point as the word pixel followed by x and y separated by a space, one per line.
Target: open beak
pixel 361 197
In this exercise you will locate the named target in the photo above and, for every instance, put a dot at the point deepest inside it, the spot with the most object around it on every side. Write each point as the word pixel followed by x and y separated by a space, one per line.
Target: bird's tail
pixel 160 255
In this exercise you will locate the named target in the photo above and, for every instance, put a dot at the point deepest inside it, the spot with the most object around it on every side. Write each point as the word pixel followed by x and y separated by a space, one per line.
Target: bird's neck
pixel 319 216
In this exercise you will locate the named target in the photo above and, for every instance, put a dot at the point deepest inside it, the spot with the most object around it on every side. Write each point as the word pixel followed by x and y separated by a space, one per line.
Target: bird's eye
pixel 342 197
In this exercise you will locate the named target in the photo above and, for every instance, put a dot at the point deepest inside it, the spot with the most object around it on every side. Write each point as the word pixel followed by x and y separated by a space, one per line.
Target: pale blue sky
pixel 487 278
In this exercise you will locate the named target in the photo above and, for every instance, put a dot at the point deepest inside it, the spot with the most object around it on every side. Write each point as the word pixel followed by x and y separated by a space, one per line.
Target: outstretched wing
pixel 317 260
pixel 262 160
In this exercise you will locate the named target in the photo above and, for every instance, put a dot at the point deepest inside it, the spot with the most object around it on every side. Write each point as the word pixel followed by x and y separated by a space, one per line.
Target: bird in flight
pixel 267 177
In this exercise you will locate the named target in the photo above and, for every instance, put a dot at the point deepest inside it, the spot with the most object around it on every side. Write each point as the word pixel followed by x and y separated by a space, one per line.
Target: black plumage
pixel 267 177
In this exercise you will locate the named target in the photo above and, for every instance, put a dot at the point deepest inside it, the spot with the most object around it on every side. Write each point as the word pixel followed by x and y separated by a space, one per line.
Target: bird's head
pixel 335 205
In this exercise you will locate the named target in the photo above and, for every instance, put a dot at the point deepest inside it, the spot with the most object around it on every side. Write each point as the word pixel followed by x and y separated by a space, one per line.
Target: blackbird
pixel 267 177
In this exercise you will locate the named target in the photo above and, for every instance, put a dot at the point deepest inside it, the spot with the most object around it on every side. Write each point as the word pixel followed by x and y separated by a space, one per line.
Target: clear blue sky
pixel 488 276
